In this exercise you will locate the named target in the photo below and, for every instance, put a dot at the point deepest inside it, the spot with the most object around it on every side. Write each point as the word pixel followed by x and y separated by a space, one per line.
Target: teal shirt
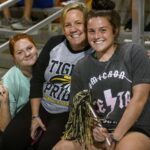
pixel 18 86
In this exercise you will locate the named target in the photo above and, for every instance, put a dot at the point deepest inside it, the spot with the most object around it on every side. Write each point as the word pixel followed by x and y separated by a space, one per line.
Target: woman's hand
pixel 36 123
pixel 102 136
pixel 3 95
pixel 99 134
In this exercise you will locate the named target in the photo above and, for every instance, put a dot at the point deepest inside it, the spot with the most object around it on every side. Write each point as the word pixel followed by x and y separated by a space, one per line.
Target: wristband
pixel 34 117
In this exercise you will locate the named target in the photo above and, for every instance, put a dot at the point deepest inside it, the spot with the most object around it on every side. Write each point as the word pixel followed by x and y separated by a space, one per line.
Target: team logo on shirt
pixel 64 80
pixel 58 89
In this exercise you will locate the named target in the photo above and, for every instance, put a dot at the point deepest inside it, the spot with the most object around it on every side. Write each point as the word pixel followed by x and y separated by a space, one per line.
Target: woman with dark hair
pixel 118 78
pixel 122 88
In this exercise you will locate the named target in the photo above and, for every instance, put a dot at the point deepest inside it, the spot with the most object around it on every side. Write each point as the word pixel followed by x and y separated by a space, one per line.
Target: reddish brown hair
pixel 16 38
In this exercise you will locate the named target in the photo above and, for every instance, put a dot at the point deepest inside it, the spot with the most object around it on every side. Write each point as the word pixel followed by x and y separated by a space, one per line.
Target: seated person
pixel 15 84
pixel 50 85
pixel 117 76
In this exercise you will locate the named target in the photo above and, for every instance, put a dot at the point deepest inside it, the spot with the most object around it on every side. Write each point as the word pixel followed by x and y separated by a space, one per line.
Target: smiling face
pixel 25 53
pixel 74 29
pixel 101 35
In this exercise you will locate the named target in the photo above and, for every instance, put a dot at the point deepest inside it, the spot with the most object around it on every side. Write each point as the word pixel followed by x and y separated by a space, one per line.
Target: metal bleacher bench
pixel 137 35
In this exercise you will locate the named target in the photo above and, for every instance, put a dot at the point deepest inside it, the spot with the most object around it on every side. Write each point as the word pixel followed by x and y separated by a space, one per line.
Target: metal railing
pixel 137 30
pixel 37 26
pixel 8 3
pixel 138 7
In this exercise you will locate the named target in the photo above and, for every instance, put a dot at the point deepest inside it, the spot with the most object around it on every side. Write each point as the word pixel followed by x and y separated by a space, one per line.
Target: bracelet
pixel 34 117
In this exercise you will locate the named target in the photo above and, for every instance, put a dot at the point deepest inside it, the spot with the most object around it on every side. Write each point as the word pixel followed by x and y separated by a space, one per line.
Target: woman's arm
pixel 5 115
pixel 36 120
pixel 35 106
pixel 140 91
pixel 133 110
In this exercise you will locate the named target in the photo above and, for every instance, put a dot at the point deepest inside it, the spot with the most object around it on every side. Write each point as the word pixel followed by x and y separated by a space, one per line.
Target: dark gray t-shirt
pixel 111 82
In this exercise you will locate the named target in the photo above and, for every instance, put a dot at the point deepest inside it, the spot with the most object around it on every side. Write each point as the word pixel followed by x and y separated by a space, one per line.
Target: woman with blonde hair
pixel 50 84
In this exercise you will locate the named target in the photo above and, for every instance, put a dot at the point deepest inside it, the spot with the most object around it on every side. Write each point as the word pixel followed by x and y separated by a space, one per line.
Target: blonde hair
pixel 76 5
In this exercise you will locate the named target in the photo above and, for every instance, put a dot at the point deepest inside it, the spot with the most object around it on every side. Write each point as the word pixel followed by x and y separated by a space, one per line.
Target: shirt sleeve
pixel 36 83
pixel 76 82
pixel 12 98
pixel 36 87
pixel 140 65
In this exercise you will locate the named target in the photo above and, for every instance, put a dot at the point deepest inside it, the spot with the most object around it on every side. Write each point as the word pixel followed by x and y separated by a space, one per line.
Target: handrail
pixel 44 22
pixel 137 30
pixel 138 21
pixel 35 27
pixel 8 3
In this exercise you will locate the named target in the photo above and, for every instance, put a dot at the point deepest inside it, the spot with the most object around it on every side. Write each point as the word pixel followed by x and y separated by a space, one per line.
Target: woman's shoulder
pixel 54 41
pixel 57 38
pixel 132 47
pixel 84 61
pixel 130 50
pixel 12 73
pixel 15 78
pixel 12 70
